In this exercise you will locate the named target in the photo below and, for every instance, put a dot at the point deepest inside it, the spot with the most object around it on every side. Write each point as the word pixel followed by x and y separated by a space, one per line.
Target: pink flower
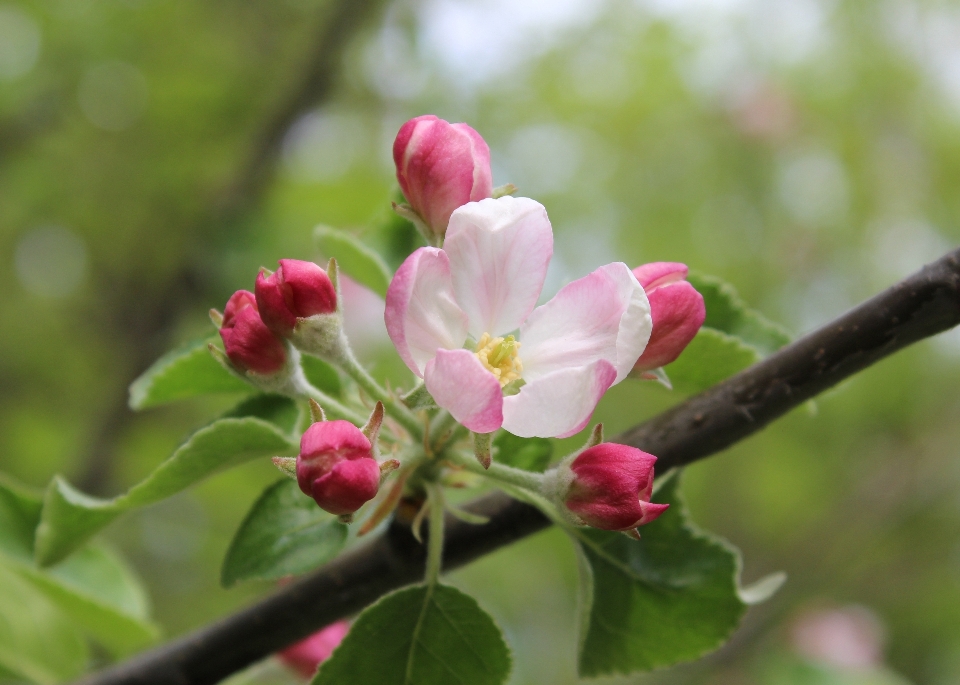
pixel 441 166
pixel 481 287
pixel 336 467
pixel 249 344
pixel 304 656
pixel 296 290
pixel 677 310
pixel 608 486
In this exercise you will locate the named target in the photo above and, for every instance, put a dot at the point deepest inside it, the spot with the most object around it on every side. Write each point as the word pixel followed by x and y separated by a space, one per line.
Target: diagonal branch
pixel 920 306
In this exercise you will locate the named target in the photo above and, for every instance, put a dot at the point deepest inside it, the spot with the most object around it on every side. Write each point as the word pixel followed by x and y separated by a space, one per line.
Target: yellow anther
pixel 500 357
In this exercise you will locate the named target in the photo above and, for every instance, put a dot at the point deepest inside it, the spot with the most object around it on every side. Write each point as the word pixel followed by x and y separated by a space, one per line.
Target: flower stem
pixel 394 407
pixel 501 473
pixel 435 539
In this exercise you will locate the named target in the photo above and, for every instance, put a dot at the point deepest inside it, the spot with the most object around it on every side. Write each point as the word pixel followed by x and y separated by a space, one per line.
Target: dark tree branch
pixel 924 304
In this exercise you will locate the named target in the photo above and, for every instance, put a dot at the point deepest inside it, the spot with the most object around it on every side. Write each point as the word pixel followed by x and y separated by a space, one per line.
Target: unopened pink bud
pixel 677 311
pixel 441 166
pixel 610 487
pixel 248 343
pixel 294 291
pixel 336 467
pixel 305 656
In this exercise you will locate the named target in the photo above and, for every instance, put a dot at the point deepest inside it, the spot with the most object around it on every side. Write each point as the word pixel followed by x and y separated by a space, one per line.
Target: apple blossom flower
pixel 248 343
pixel 296 290
pixel 305 656
pixel 441 166
pixel 336 467
pixel 452 314
pixel 677 310
pixel 607 486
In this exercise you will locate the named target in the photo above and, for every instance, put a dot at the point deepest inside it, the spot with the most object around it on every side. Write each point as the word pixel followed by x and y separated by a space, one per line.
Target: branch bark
pixel 920 306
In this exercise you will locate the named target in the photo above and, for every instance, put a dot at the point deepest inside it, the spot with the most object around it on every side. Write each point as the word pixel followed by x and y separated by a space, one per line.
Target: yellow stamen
pixel 500 357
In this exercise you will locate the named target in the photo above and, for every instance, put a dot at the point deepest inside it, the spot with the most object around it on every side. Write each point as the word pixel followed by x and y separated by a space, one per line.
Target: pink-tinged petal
pixel 655 274
pixel 604 315
pixel 559 404
pixel 499 251
pixel 678 312
pixel 460 384
pixel 421 314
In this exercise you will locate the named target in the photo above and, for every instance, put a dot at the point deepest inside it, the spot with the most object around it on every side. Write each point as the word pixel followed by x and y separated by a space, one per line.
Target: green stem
pixel 394 407
pixel 444 429
pixel 499 472
pixel 435 540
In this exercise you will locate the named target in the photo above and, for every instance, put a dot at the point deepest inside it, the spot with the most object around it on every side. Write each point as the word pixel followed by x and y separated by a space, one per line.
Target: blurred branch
pixel 920 306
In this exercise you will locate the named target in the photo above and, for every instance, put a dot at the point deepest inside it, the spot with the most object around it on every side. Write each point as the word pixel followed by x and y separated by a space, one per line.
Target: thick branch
pixel 924 304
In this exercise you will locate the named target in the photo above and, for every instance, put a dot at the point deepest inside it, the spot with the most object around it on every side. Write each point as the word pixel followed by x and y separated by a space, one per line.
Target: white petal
pixel 460 384
pixel 558 404
pixel 499 251
pixel 421 314
pixel 604 315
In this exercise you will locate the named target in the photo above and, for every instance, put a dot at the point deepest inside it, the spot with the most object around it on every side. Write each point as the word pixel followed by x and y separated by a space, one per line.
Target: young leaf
pixel 185 372
pixel 284 534
pixel 355 258
pixel 420 635
pixel 531 454
pixel 70 517
pixel 670 597
pixel 712 356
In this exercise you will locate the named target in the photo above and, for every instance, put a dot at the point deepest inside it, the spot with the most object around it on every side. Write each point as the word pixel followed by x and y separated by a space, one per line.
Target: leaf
pixel 279 410
pixel 37 642
pixel 185 372
pixel 727 312
pixel 671 597
pixel 285 533
pixel 321 375
pixel 71 517
pixel 355 258
pixel 712 356
pixel 530 454
pixel 420 636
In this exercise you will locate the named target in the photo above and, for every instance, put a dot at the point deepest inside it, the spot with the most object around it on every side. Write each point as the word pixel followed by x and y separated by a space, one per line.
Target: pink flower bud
pixel 610 487
pixel 441 166
pixel 336 467
pixel 677 310
pixel 304 656
pixel 249 344
pixel 294 291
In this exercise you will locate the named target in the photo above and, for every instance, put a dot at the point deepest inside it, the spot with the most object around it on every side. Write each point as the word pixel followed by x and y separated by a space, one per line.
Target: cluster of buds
pixel 248 343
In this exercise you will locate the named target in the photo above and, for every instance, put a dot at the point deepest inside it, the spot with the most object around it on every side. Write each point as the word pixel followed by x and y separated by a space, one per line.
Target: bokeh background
pixel 154 153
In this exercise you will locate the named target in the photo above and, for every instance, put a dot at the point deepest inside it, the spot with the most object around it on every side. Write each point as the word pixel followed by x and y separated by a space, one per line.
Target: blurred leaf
pixel 37 642
pixel 727 312
pixel 787 669
pixel 19 515
pixel 321 375
pixel 285 533
pixel 712 356
pixel 355 258
pixel 71 517
pixel 279 410
pixel 671 597
pixel 424 635
pixel 185 372
pixel 530 454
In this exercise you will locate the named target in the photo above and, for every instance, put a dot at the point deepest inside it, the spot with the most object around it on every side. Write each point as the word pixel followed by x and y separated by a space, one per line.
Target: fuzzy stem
pixel 501 473
pixel 435 539
pixel 394 407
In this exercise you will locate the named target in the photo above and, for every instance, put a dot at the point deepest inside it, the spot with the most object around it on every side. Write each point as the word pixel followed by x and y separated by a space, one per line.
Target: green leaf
pixel 279 410
pixel 321 375
pixel 71 517
pixel 285 533
pixel 727 312
pixel 185 372
pixel 712 356
pixel 671 597
pixel 420 636
pixel 530 454
pixel 37 642
pixel 355 258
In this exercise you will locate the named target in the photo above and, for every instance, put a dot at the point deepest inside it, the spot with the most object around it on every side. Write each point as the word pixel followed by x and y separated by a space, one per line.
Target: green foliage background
pixel 806 151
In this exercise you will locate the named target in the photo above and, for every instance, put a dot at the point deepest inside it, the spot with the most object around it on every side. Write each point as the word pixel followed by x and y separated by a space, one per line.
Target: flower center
pixel 500 357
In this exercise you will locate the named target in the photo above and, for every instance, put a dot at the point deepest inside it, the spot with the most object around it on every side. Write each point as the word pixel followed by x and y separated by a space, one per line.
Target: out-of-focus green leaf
pixel 285 533
pixel 279 410
pixel 422 635
pixel 787 669
pixel 185 372
pixel 355 258
pixel 728 313
pixel 670 597
pixel 321 375
pixel 37 642
pixel 71 517
pixel 530 454
pixel 711 357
